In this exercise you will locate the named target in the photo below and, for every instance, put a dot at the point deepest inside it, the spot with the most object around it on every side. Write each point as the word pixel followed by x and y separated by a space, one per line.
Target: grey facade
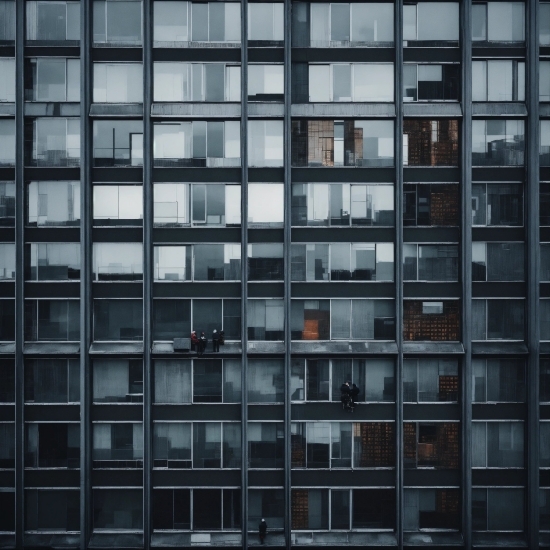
pixel 298 175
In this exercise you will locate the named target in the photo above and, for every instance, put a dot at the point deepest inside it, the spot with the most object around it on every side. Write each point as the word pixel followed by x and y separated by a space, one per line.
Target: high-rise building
pixel 350 191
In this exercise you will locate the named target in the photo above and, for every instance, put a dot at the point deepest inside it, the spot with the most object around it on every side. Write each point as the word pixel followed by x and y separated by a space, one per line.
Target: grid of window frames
pixel 289 179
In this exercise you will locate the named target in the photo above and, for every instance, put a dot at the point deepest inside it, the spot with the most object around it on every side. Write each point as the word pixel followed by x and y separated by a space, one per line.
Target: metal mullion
pixel 288 271
pixel 85 272
pixel 148 258
pixel 19 272
pixel 466 271
pixel 533 273
pixel 244 272
pixel 398 197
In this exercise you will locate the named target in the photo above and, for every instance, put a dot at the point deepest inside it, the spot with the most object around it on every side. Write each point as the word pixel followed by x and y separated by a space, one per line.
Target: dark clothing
pixel 345 397
pixel 344 391
pixel 202 344
pixel 354 393
pixel 216 341
pixel 194 342
pixel 262 530
pixel 222 337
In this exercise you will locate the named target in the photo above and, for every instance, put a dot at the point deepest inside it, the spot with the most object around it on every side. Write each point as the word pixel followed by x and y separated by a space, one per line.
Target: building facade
pixel 350 192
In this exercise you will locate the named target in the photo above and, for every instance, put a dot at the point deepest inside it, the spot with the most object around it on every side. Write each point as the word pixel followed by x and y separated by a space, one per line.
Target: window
pixel 266 82
pixel 356 24
pixel 265 204
pixel 265 23
pixel 430 380
pixel 351 82
pixel 430 205
pixel 430 142
pixel 322 378
pixel 498 204
pixel 323 204
pixel 497 444
pixel 310 509
pixel 178 204
pixel 431 445
pixel 173 263
pixel 7 142
pixel 198 143
pixel 7 381
pixel 373 509
pixel 367 262
pixel 117 509
pixel 52 79
pixel 117 381
pixel 498 319
pixel 52 381
pixel 7 32
pixel 545 143
pixel 7 85
pixel 213 82
pixel 498 380
pixel 431 321
pixel 430 262
pixel 268 504
pixel 544 446
pixel 544 24
pixel 431 509
pixel 118 142
pixel 53 203
pixel 118 82
pixel 418 27
pixel 117 22
pixel 498 142
pixel 117 444
pixel 117 205
pixel 52 320
pixel 52 262
pixel 342 143
pixel 266 442
pixel 544 74
pixel 52 21
pixel 265 381
pixel 498 22
pixel 54 142
pixel 265 262
pixel 498 261
pixel 52 510
pixel 7 203
pixel 52 445
pixel 497 509
pixel 7 261
pixel 544 380
pixel 422 82
pixel 171 508
pixel 172 444
pixel 172 381
pixel 310 262
pixel 7 446
pixel 265 141
pixel 502 80
pixel 310 319
pixel 265 319
pixel 545 319
pixel 116 319
pixel 118 262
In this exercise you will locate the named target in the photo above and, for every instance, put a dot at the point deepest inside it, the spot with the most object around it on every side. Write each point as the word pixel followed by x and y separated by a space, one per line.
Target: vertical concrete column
pixel 287 144
pixel 533 272
pixel 85 272
pixel 466 267
pixel 147 263
pixel 244 271
pixel 399 269
pixel 19 271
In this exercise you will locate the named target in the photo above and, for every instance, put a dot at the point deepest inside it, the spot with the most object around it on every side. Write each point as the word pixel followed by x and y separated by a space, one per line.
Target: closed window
pixel 430 262
pixel 116 319
pixel 265 319
pixel 118 142
pixel 117 509
pixel 52 320
pixel 502 80
pixel 430 380
pixel 266 444
pixel 7 261
pixel 52 262
pixel 52 381
pixel 51 21
pixel 265 262
pixel 118 205
pixel 498 22
pixel 498 142
pixel 498 319
pixel 118 262
pixel 431 509
pixel 52 445
pixel 53 203
pixel 265 381
pixel 117 22
pixel 117 444
pixel 7 142
pixel 118 83
pixel 498 261
pixel 265 142
pixel 53 79
pixel 52 142
pixel 430 205
pixel 7 85
pixel 498 380
pixel 499 204
pixel 266 82
pixel 431 445
pixel 117 381
pixel 52 510
pixel 431 82
pixel 497 444
pixel 430 142
pixel 418 27
pixel 496 509
pixel 265 22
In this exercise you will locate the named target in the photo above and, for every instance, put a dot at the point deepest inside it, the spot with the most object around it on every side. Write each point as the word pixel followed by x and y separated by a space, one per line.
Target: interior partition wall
pixel 454 466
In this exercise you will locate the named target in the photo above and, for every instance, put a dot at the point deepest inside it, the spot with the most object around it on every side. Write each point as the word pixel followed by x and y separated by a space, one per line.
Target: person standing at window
pixel 216 341
pixel 262 530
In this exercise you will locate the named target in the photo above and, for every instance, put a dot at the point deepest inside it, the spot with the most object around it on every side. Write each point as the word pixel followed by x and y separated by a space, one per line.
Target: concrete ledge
pixel 433 347
pixel 46 540
pixel 7 348
pixel 116 110
pixel 499 109
pixel 52 109
pixel 51 348
pixel 116 540
pixel 203 110
pixel 498 540
pixel 432 539
pixel 338 110
pixel 432 109
pixel 99 348
pixel 499 348
pixel 7 109
pixel 229 348
pixel 371 347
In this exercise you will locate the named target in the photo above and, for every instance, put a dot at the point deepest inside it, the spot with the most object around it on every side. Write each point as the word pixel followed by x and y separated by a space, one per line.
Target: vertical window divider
pixel 148 257
pixel 287 155
pixel 398 194
pixel 19 272
pixel 85 273
pixel 533 274
pixel 244 272
pixel 466 268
